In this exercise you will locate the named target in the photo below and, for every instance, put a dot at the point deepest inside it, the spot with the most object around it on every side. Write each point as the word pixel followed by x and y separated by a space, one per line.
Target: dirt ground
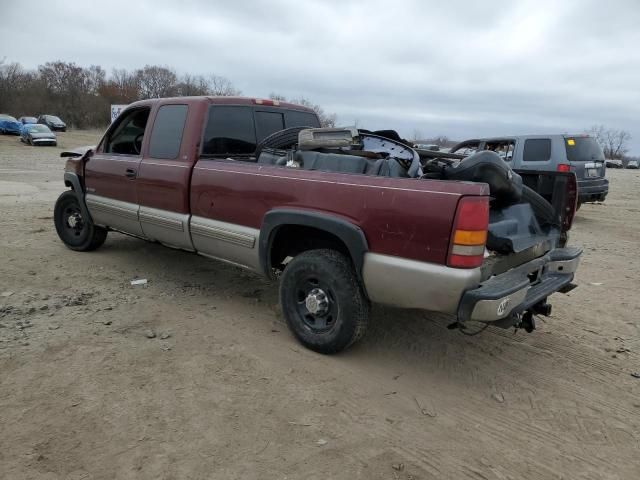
pixel 224 391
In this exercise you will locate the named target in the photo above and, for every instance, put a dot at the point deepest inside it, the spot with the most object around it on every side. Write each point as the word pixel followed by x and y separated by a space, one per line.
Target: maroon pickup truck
pixel 342 217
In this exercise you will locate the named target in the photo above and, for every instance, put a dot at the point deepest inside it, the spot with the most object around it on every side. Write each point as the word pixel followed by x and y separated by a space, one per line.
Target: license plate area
pixel 592 169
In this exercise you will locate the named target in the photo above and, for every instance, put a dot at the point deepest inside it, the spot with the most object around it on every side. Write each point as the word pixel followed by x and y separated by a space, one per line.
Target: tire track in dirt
pixel 534 377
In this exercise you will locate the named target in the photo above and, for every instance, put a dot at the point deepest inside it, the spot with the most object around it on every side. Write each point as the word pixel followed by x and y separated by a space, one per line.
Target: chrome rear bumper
pixel 520 288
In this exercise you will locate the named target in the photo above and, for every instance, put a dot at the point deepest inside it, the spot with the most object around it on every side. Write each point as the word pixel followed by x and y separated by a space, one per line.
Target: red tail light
pixel 469 234
pixel 563 167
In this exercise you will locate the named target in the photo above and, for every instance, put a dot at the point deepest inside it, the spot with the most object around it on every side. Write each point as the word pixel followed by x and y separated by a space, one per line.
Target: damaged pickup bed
pixel 341 217
pixel 514 259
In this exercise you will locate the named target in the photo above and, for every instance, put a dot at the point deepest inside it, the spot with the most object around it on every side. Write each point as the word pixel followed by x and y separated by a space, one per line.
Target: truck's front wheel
pixel 76 232
pixel 323 301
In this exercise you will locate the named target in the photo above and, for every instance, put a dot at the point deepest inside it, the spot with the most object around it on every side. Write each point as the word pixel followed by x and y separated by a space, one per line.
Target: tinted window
pixel 583 149
pixel 268 123
pixel 229 131
pixel 167 131
pixel 295 118
pixel 537 150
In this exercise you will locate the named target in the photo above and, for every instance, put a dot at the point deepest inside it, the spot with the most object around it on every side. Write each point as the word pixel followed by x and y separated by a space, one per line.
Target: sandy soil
pixel 224 391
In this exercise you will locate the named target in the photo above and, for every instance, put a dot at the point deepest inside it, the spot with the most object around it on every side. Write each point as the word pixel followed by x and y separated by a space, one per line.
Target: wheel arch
pixel 72 180
pixel 350 236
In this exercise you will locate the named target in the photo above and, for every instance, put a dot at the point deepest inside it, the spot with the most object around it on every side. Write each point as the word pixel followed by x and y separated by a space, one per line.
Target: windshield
pixel 53 118
pixel 8 117
pixel 37 128
pixel 583 149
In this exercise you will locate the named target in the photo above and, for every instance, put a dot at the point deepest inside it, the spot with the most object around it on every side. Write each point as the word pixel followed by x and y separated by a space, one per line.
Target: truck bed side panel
pixel 400 217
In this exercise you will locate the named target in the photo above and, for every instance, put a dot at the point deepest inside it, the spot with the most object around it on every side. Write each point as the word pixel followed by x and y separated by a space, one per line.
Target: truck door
pixel 111 173
pixel 163 178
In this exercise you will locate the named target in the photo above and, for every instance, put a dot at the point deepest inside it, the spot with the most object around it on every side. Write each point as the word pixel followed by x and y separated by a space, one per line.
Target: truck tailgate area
pixel 521 288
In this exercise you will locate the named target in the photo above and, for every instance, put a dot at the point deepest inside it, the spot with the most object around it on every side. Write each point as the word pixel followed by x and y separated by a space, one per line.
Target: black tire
pixel 342 316
pixel 543 210
pixel 76 232
pixel 282 139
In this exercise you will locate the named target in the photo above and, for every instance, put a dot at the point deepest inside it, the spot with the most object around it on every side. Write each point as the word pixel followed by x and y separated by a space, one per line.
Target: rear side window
pixel 537 150
pixel 229 131
pixel 583 149
pixel 167 131
pixel 268 123
pixel 295 118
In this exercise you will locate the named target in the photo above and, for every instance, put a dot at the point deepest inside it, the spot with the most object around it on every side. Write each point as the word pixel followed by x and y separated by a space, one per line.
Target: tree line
pixel 82 96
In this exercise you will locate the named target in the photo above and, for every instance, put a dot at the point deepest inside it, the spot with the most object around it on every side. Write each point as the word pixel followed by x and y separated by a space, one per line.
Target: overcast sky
pixel 458 68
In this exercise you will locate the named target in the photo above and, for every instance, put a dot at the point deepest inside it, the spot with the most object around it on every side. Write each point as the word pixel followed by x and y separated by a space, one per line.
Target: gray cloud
pixel 460 68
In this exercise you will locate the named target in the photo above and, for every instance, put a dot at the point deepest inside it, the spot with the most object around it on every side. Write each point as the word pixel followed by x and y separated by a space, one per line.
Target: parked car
pixel 53 122
pixel 9 124
pixel 342 217
pixel 611 163
pixel 36 134
pixel 27 120
pixel 580 154
pixel 632 164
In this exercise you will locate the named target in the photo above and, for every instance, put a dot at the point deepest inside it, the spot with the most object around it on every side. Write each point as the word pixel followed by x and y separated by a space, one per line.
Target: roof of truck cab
pixel 213 100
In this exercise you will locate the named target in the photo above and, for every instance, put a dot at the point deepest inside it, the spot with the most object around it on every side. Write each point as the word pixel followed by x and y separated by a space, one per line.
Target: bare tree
pixel 614 142
pixel 328 120
pixel 10 75
pixel 222 87
pixel 96 78
pixel 122 87
pixel 156 81
pixel 71 89
pixel 599 133
pixel 617 143
pixel 192 85
pixel 82 95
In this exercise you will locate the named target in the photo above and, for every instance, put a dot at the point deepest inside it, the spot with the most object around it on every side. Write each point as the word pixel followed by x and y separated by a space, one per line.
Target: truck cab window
pixel 229 131
pixel 166 135
pixel 127 135
pixel 268 123
pixel 295 118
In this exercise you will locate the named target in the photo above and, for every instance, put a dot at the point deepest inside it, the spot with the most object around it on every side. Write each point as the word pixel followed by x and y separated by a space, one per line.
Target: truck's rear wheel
pixel 76 232
pixel 323 301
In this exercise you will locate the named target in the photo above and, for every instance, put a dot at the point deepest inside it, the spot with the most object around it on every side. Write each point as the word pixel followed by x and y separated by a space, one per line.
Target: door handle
pixel 130 173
